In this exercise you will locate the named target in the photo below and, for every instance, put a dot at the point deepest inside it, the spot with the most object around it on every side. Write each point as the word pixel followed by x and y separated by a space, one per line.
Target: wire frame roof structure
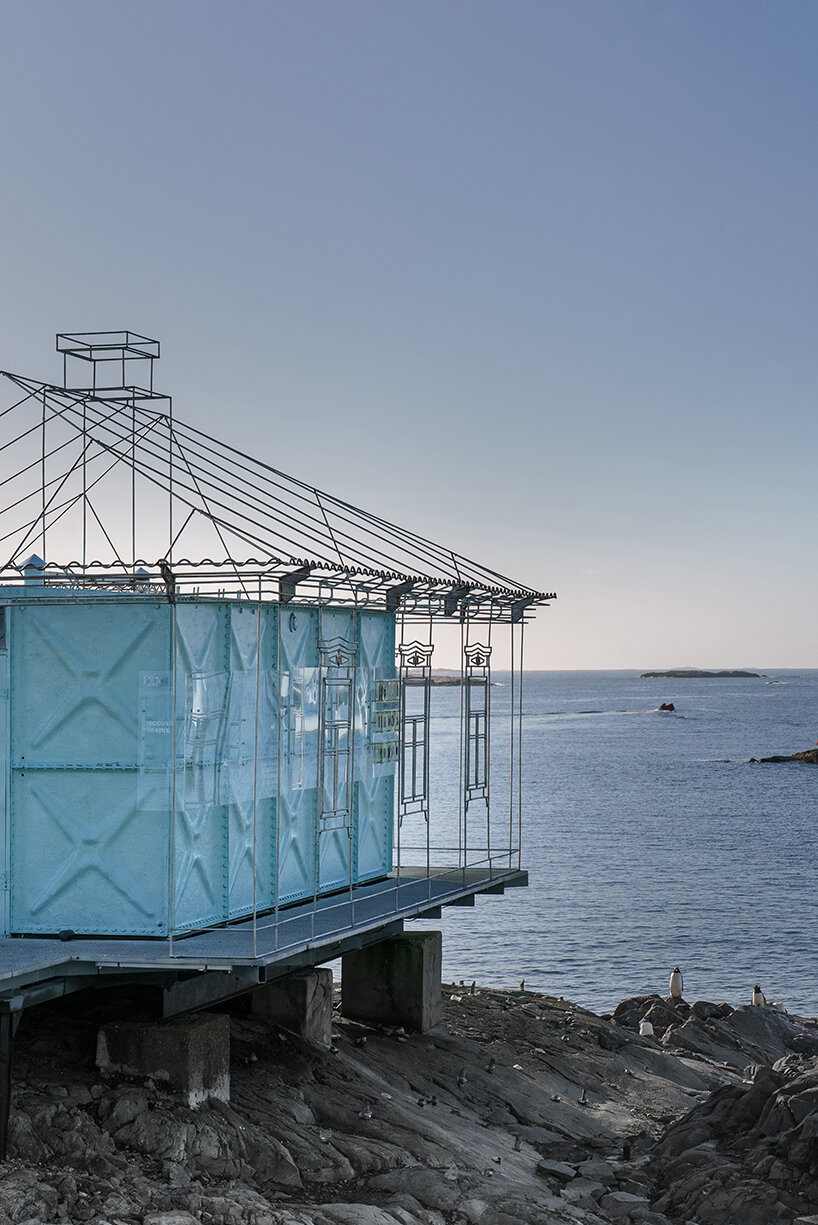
pixel 107 479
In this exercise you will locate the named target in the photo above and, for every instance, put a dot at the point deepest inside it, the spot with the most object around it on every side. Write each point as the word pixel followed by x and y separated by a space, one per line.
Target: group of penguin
pixel 675 988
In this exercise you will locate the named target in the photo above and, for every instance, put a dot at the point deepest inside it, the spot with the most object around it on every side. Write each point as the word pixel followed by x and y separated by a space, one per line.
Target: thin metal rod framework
pixel 213 488
pixel 75 466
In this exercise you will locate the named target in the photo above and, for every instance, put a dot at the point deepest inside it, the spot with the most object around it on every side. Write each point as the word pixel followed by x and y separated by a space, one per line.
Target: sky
pixel 536 278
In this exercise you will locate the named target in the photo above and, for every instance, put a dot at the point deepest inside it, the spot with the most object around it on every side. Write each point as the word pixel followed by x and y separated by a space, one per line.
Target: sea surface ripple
pixel 650 840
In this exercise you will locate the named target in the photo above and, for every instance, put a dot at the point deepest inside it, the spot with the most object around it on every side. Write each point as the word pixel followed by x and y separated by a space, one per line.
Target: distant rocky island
pixel 694 674
pixel 445 678
pixel 809 755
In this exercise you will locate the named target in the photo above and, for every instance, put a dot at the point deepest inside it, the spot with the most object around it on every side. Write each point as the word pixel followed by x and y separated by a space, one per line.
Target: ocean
pixel 650 840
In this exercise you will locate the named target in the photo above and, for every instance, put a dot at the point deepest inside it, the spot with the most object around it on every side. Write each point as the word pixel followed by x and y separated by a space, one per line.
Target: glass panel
pixel 335 739
pixel 299 728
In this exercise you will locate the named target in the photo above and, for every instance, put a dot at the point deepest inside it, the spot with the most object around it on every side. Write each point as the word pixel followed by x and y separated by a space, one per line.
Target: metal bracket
pixel 169 580
pixel 518 609
pixel 454 598
pixel 394 595
pixel 288 582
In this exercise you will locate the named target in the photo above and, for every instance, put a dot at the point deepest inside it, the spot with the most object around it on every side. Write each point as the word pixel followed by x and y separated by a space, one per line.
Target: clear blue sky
pixel 535 278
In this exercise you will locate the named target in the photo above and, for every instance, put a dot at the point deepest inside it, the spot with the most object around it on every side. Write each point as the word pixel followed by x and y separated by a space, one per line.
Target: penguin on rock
pixel 676 985
pixel 758 996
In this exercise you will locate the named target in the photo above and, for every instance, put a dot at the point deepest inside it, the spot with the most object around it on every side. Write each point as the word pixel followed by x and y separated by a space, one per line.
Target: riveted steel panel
pixel 75 676
pixel 82 856
pixel 299 689
pixel 378 699
pixel 334 838
pixel 298 747
pixel 374 828
pixel 129 813
pixel 250 785
pixel 5 874
pixel 199 837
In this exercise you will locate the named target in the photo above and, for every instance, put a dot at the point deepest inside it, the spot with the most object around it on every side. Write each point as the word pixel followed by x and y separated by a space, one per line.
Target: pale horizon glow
pixel 536 279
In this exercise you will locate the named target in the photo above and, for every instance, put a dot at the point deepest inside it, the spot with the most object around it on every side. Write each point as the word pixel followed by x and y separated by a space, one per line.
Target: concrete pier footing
pixel 395 982
pixel 301 1003
pixel 190 1054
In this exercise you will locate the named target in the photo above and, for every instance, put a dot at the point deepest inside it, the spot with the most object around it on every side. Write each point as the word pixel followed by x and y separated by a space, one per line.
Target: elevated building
pixel 217 704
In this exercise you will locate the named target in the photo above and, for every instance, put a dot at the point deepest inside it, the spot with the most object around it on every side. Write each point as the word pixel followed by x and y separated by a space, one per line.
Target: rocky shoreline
pixel 808 755
pixel 519 1109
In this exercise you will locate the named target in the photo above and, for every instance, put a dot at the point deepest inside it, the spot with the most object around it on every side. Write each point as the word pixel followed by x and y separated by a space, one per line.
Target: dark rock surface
pixel 518 1110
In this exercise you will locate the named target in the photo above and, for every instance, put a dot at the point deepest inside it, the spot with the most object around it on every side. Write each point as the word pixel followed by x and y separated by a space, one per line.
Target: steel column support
pixel 7 1027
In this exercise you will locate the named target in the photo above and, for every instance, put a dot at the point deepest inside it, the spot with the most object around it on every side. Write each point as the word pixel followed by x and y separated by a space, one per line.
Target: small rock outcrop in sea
pixel 809 755
pixel 518 1110
pixel 694 674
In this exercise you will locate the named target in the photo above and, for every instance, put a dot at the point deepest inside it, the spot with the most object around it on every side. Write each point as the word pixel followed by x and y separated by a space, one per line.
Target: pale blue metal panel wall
pixel 298 645
pixel 111 794
pixel 4 776
pixel 226 777
pixel 335 845
pixel 84 855
pixel 250 788
pixel 202 692
pixel 378 723
pixel 369 840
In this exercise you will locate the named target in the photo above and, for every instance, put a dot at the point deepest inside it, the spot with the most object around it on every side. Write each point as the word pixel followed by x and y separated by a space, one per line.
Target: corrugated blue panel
pixel 335 844
pixel 74 679
pixel 299 678
pixel 97 759
pixel 82 854
pixel 4 783
pixel 374 827
pixel 250 783
pixel 375 807
pixel 203 687
pixel 82 864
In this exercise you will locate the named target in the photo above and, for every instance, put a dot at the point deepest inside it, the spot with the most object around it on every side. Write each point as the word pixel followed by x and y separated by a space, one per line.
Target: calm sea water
pixel 650 841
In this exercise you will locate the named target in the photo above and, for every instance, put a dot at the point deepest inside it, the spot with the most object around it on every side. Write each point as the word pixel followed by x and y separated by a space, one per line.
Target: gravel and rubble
pixel 519 1109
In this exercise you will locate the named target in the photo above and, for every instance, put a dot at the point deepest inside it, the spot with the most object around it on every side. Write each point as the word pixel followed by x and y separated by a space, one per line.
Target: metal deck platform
pixel 207 967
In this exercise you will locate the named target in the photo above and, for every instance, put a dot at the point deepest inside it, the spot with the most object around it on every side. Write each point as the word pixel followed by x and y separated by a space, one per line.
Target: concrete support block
pixel 190 1054
pixel 301 1003
pixel 396 982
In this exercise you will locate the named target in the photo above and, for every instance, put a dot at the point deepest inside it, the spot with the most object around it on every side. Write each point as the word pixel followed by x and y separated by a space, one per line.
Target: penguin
pixel 676 985
pixel 645 1029
pixel 522 984
pixel 758 995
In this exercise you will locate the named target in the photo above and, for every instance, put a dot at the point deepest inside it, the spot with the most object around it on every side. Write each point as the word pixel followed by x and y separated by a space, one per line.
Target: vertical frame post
pixel 476 741
pixel 43 475
pixel 7 1028
pixel 255 772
